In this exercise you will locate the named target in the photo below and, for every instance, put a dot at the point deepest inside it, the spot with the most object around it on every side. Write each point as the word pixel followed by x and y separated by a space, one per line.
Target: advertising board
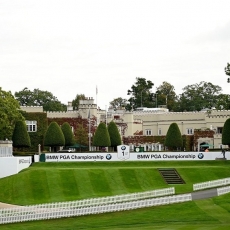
pixel 134 156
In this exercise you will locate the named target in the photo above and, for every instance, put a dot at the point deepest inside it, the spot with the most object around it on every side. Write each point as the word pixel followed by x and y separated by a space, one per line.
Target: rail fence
pixel 211 184
pixel 223 190
pixel 58 210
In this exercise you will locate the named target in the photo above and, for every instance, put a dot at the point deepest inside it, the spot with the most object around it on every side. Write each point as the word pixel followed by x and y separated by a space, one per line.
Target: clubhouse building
pixel 145 127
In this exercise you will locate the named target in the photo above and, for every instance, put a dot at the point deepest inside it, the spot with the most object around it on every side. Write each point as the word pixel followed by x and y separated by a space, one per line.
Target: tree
pixel 20 136
pixel 54 136
pixel 81 135
pixel 227 69
pixel 226 133
pixel 39 98
pixel 141 95
pixel 101 137
pixel 75 102
pixel 114 134
pixel 173 139
pixel 198 96
pixel 9 114
pixel 118 103
pixel 166 95
pixel 68 134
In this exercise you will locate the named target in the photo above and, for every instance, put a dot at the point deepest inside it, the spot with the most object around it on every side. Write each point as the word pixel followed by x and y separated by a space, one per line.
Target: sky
pixel 70 47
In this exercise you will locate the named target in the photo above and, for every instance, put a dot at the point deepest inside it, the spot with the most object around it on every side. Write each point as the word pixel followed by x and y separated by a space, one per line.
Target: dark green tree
pixel 101 137
pixel 20 136
pixel 198 96
pixel 54 136
pixel 141 95
pixel 75 102
pixel 68 134
pixel 227 69
pixel 9 114
pixel 226 133
pixel 38 97
pixel 118 103
pixel 173 139
pixel 165 96
pixel 114 134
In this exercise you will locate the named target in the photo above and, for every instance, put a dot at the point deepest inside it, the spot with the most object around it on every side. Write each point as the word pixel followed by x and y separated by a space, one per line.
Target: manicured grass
pixel 54 182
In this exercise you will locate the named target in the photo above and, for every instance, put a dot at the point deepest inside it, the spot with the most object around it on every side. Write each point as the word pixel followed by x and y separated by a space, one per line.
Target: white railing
pixel 223 190
pixel 211 184
pixel 41 212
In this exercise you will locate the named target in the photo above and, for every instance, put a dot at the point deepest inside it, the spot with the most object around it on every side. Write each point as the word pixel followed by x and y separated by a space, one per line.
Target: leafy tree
pixel 68 134
pixel 39 98
pixel 20 136
pixel 118 103
pixel 9 114
pixel 101 137
pixel 227 69
pixel 223 102
pixel 114 134
pixel 198 96
pixel 81 135
pixel 173 139
pixel 166 95
pixel 54 136
pixel 75 102
pixel 226 133
pixel 141 95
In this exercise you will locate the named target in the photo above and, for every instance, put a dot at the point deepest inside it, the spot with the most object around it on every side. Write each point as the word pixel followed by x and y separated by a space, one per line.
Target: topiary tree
pixel 54 136
pixel 226 133
pixel 101 137
pixel 173 139
pixel 20 136
pixel 114 134
pixel 68 134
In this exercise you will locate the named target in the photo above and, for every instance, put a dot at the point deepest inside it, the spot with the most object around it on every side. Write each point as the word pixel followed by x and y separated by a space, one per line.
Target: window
pixel 189 131
pixel 148 132
pixel 219 130
pixel 31 126
pixel 159 132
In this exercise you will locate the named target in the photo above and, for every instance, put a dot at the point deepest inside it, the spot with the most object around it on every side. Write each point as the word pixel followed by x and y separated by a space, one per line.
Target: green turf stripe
pixel 213 210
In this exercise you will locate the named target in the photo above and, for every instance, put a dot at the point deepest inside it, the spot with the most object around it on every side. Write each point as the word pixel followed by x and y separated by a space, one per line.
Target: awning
pixel 75 146
pixel 206 145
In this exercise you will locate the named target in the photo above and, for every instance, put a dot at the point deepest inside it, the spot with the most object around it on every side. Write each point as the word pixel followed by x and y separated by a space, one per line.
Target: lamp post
pixel 131 92
pixel 89 131
pixel 156 99
pixel 141 95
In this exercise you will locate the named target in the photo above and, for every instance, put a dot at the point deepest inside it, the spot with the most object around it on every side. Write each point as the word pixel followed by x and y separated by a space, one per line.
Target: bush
pixel 101 137
pixel 173 138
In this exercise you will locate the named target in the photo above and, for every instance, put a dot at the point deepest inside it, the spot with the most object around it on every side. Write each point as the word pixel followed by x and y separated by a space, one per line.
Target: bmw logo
pixel 108 156
pixel 200 155
pixel 123 147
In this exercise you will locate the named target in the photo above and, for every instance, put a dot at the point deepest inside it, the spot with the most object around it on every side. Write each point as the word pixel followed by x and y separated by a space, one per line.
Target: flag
pixel 96 90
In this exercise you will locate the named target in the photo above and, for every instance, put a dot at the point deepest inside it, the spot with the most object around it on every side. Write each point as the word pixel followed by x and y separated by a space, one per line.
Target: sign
pixel 124 154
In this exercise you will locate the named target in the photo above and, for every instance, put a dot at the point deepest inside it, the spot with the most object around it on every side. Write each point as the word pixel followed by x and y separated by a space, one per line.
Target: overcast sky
pixel 69 47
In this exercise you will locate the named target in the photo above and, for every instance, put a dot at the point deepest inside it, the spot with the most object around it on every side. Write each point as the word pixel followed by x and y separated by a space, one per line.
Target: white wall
pixel 13 165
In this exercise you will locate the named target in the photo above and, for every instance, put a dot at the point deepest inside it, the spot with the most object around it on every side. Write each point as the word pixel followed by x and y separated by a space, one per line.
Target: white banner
pixel 134 156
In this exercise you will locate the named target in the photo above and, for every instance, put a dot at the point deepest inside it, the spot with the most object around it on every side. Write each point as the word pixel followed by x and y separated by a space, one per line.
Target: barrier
pixel 211 184
pixel 44 211
pixel 224 190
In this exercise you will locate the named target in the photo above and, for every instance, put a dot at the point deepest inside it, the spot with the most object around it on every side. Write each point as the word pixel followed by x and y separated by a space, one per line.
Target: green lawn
pixel 53 182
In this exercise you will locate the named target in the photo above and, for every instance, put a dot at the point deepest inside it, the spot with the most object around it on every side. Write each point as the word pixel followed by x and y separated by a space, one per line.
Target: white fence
pixel 211 184
pixel 223 190
pixel 59 210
